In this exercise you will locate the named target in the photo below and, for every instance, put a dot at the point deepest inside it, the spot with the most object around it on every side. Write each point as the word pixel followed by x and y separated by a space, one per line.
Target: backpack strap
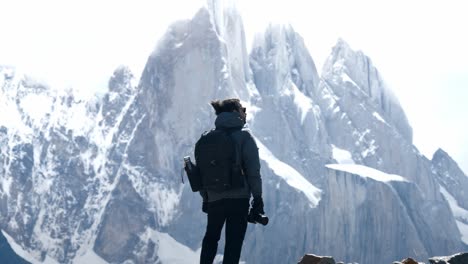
pixel 237 145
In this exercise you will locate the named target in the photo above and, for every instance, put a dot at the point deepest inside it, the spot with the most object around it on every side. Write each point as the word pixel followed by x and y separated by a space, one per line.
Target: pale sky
pixel 419 47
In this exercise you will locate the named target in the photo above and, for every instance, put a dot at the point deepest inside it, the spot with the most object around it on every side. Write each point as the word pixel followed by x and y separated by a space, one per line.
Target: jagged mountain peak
pixel 220 17
pixel 284 51
pixel 15 82
pixel 353 72
pixel 343 59
pixel 451 179
pixel 343 56
pixel 442 160
pixel 342 49
pixel 276 40
pixel 191 55
pixel 7 72
pixel 121 80
pixel 439 154
pixel 224 15
pixel 275 36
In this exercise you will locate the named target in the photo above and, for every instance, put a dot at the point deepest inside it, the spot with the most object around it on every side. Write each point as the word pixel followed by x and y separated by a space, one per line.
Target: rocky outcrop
pixel 313 259
pixel 461 258
pixel 406 261
pixel 450 177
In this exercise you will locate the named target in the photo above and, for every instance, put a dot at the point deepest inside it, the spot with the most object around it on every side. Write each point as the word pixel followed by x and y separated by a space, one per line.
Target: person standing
pixel 230 205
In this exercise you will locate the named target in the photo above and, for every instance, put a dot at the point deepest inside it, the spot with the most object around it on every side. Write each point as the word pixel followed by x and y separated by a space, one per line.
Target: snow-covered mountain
pixel 99 181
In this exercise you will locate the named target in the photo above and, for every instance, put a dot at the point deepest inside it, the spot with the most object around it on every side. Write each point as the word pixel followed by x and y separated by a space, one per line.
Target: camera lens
pixel 262 219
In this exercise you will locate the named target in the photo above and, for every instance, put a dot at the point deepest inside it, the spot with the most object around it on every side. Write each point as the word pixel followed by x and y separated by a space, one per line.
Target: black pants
pixel 234 212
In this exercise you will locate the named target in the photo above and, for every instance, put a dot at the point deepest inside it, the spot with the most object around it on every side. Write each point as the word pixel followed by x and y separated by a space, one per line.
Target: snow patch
pixel 362 135
pixel 252 90
pixel 42 230
pixel 169 250
pixel 12 120
pixel 303 102
pixel 371 147
pixel 6 184
pixel 336 110
pixel 8 72
pixel 290 175
pixel 36 106
pixel 342 156
pixel 460 214
pixel 328 94
pixel 89 257
pixel 78 119
pixel 113 96
pixel 369 150
pixel 338 66
pixel 225 71
pixel 366 172
pixel 379 117
pixel 463 230
pixel 252 110
pixel 166 201
pixel 346 79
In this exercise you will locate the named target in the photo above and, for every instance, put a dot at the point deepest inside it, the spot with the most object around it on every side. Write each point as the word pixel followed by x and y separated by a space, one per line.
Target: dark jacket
pixel 250 160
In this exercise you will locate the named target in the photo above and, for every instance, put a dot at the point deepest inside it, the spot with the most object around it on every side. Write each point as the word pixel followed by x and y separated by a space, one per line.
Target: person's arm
pixel 251 162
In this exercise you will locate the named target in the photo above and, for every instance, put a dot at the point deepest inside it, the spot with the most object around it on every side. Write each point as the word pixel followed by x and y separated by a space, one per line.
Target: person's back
pixel 231 206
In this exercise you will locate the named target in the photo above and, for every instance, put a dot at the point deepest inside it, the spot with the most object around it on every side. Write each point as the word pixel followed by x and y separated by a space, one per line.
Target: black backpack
pixel 218 161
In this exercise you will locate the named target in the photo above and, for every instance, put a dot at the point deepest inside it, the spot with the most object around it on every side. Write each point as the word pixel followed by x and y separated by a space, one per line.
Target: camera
pixel 193 174
pixel 188 163
pixel 257 218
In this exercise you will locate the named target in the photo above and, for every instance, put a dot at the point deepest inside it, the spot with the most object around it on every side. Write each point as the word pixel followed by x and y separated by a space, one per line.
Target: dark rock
pixel 460 258
pixel 313 259
pixel 408 261
pixel 123 220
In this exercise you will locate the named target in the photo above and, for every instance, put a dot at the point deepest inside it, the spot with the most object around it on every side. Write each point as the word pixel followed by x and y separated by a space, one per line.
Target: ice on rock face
pixel 283 51
pixel 286 78
pixel 342 156
pixel 290 175
pixel 450 177
pixel 355 67
pixel 366 172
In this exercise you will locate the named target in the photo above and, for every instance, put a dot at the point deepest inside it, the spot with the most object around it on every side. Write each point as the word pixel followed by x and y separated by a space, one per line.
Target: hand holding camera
pixel 257 213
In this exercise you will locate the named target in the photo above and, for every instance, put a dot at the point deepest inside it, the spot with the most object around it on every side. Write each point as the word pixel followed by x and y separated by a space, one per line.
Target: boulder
pixel 460 258
pixel 406 261
pixel 313 259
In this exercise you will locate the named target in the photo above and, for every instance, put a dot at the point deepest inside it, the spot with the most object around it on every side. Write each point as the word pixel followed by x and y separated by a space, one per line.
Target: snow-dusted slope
pixel 460 213
pixel 366 172
pixel 354 72
pixel 54 155
pixel 358 121
pixel 453 184
pixel 362 115
pixel 450 176
pixel 290 175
